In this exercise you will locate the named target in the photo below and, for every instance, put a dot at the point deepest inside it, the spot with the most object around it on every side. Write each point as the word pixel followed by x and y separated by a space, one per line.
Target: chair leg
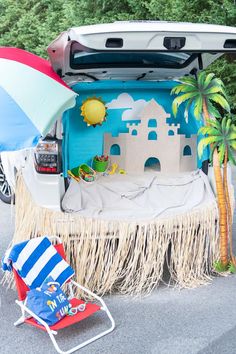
pixel 20 321
pixel 22 318
pixel 88 341
pixel 52 333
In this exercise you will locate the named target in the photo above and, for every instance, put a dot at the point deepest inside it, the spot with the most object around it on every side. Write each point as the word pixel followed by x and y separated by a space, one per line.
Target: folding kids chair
pixel 29 317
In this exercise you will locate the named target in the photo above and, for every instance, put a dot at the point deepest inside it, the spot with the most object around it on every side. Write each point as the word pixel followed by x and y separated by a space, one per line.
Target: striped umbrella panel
pixel 30 103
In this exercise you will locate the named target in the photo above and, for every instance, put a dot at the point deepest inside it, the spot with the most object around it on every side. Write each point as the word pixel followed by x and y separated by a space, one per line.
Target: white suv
pixel 143 51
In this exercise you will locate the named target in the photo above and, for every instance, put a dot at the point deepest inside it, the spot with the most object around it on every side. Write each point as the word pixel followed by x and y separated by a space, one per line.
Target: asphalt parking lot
pixel 169 321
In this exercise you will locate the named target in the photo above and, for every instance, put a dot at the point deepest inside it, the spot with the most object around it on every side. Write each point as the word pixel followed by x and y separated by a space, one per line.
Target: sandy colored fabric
pixel 143 197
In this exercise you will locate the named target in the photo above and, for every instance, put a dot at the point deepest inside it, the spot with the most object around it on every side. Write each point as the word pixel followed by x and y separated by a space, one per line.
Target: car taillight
pixel 48 157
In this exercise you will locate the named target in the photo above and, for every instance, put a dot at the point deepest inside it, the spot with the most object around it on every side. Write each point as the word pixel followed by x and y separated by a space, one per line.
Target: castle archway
pixel 152 135
pixel 153 164
pixel 115 149
pixel 187 151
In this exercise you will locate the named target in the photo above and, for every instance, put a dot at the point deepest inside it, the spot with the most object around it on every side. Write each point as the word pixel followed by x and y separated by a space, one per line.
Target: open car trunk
pixel 146 143
pixel 132 67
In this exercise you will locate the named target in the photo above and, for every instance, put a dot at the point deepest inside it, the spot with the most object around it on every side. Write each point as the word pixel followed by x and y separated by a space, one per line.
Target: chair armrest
pixel 104 306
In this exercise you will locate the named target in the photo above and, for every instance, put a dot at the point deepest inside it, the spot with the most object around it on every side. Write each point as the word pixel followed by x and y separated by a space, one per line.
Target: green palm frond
pixel 214 123
pixel 231 157
pixel 188 104
pixel 205 88
pixel 208 130
pixel 218 83
pixel 231 136
pixel 221 136
pixel 208 80
pixel 207 141
pixel 228 126
pixel 188 80
pixel 182 88
pixel 201 79
pixel 224 122
pixel 221 101
pixel 213 89
pixel 181 99
pixel 222 148
pixel 198 104
pixel 233 144
pixel 212 110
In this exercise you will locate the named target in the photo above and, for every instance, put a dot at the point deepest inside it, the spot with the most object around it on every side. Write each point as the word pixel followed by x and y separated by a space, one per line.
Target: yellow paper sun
pixel 94 111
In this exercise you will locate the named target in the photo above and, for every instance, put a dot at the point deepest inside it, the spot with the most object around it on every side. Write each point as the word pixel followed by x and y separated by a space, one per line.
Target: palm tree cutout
pixel 222 137
pixel 203 92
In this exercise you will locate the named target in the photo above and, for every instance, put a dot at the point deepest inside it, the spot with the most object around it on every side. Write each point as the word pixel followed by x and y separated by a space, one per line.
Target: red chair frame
pixel 37 322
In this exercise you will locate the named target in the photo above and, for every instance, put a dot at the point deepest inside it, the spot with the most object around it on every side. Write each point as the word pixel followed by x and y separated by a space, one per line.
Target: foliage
pixel 221 135
pixel 225 69
pixel 232 268
pixel 205 89
pixel 219 267
pixel 33 24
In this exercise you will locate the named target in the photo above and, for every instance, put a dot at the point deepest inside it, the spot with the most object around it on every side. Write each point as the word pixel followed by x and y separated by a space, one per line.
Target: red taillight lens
pixel 48 157
pixel 46 169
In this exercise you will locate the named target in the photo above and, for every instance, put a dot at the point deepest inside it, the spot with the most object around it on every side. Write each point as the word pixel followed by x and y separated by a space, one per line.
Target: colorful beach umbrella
pixel 32 98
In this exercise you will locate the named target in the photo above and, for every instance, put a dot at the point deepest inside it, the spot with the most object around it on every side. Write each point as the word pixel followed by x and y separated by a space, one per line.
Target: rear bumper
pixel 46 190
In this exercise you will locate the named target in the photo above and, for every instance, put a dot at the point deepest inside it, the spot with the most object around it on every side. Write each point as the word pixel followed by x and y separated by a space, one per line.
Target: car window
pixel 81 59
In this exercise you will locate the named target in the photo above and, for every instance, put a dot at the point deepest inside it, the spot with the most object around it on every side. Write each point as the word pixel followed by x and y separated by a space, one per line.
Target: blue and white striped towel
pixel 35 260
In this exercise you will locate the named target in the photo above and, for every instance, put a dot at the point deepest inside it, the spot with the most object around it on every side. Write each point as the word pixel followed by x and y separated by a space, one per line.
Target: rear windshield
pixel 81 59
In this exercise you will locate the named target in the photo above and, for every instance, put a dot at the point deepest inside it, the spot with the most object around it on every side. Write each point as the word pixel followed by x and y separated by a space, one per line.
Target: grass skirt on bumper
pixel 126 256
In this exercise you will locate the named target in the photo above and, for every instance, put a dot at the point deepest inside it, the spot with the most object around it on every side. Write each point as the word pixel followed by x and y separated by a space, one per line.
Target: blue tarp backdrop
pixel 81 142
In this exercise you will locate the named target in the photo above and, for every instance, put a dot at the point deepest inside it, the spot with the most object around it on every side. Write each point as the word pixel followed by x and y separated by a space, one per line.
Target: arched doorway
pixel 115 149
pixel 134 132
pixel 152 164
pixel 187 151
pixel 152 135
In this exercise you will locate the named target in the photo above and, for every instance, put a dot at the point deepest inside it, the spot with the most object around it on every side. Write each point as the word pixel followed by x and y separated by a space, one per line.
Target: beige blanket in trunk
pixel 123 256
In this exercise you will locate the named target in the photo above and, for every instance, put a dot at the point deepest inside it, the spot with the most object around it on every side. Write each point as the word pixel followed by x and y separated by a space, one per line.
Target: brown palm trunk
pixel 222 210
pixel 229 210
pixel 205 112
pixel 221 199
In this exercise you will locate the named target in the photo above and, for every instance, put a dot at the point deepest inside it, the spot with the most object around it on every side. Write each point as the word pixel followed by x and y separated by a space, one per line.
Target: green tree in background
pixel 32 25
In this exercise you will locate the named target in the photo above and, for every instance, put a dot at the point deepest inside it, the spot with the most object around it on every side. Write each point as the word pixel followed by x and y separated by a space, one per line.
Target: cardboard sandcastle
pixel 152 143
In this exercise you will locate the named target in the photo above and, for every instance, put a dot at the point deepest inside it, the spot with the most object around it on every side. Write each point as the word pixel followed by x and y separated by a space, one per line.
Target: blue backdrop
pixel 81 142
